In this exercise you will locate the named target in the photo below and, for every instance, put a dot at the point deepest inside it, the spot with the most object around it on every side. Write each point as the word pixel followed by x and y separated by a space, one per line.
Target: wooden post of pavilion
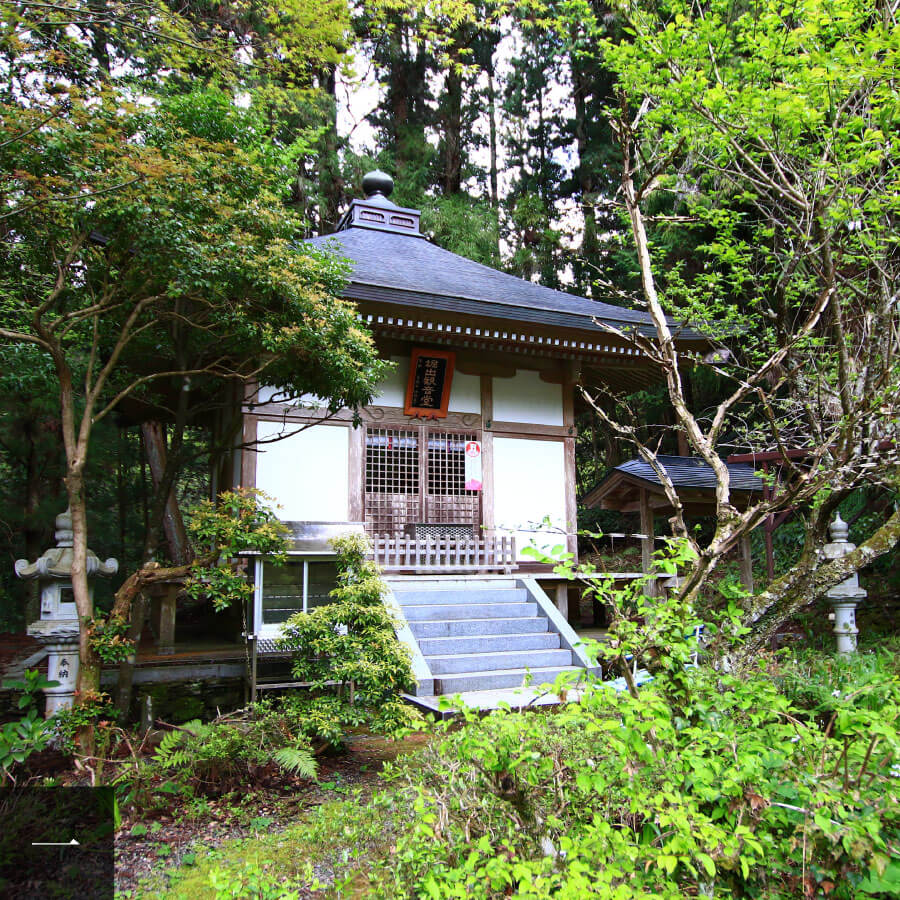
pixel 647 540
pixel 746 563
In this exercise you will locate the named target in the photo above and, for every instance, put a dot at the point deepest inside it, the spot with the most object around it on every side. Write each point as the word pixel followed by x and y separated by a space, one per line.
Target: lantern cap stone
pixel 56 562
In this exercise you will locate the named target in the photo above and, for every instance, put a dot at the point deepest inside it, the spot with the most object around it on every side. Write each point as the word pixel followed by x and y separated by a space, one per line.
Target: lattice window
pixel 392 479
pixel 447 463
pixel 399 496
pixel 392 461
pixel 447 500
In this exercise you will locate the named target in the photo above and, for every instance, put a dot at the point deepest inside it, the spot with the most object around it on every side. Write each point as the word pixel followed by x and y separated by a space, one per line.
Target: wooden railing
pixel 396 553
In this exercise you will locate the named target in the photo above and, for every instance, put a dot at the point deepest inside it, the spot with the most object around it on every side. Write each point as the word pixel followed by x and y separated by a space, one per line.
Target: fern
pixel 298 760
pixel 179 759
pixel 175 750
pixel 167 747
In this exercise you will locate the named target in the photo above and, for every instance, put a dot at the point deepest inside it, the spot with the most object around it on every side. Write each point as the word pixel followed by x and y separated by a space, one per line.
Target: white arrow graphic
pixel 72 843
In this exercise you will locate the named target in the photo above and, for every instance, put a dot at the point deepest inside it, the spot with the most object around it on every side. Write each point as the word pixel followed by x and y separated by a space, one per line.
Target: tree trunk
pixel 589 250
pixel 160 472
pixel 453 128
pixel 331 185
pixel 89 668
pixel 492 136
pixel 163 469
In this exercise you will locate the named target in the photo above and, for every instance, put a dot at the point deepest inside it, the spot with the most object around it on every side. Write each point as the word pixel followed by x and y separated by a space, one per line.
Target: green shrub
pixel 618 796
pixel 697 783
pixel 92 708
pixel 233 747
pixel 30 734
pixel 348 651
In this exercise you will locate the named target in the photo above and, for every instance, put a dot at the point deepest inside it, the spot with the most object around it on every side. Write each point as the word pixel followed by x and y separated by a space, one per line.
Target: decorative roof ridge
pixel 378 212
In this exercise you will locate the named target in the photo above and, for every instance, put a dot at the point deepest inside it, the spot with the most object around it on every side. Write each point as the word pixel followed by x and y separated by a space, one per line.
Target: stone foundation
pixel 179 702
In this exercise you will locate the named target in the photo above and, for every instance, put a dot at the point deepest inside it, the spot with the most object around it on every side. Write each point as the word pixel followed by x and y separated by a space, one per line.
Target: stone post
pixel 843 597
pixel 62 666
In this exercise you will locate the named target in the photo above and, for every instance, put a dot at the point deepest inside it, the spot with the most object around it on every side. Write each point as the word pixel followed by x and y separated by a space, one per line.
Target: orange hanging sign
pixel 428 388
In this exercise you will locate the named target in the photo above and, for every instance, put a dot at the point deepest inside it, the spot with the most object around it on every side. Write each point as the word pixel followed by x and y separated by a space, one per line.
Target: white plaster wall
pixel 392 391
pixel 525 398
pixel 529 483
pixel 268 393
pixel 465 390
pixel 465 393
pixel 306 473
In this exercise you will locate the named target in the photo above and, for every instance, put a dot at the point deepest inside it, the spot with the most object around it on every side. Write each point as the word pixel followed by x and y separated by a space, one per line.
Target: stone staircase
pixel 479 636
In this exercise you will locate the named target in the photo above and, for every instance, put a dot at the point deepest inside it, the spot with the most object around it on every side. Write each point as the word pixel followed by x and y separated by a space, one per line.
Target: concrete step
pixel 448 583
pixel 489 643
pixel 493 662
pixel 442 628
pixel 469 611
pixel 493 681
pixel 430 597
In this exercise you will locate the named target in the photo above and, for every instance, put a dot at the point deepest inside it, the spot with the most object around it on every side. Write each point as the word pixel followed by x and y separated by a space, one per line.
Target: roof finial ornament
pixel 377 182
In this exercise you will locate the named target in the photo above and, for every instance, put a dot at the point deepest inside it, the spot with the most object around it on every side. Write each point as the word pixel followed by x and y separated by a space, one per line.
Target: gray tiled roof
pixel 407 269
pixel 692 472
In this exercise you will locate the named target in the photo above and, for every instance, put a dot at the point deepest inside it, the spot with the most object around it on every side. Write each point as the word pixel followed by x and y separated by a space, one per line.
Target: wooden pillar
pixel 746 563
pixel 562 599
pixel 571 378
pixel 164 608
pixel 647 540
pixel 249 455
pixel 356 473
pixel 487 456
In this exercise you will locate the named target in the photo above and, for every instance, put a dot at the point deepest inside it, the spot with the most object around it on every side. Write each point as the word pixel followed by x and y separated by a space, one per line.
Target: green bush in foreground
pixel 617 797
pixel 347 649
pixel 698 783
pixel 741 794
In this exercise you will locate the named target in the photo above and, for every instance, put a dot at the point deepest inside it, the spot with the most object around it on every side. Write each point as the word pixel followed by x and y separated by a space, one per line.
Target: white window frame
pixel 273 629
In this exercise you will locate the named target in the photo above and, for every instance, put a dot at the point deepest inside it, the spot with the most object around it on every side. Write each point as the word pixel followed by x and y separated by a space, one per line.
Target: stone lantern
pixel 844 597
pixel 58 627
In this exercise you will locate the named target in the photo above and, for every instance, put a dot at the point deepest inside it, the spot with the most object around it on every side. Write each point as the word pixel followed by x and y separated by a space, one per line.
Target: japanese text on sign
pixel 428 390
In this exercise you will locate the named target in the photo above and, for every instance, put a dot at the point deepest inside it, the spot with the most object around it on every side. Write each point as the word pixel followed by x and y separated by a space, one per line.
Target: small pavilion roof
pixel 392 262
pixel 693 479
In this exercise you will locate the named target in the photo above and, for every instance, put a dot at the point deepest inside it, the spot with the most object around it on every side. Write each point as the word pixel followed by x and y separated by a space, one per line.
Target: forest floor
pixel 170 856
